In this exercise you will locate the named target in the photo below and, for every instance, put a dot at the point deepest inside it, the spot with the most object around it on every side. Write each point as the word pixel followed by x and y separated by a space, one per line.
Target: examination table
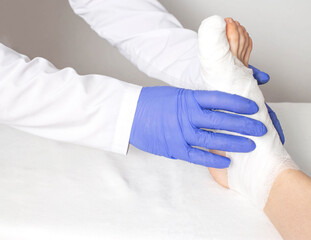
pixel 54 190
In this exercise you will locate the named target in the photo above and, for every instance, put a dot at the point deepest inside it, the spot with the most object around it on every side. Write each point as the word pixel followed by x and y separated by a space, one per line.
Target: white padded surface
pixel 52 190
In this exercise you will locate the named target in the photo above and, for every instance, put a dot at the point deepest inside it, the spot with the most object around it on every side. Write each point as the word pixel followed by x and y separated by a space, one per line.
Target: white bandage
pixel 251 174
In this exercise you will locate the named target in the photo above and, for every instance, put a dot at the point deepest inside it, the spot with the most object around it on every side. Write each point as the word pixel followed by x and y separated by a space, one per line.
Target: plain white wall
pixel 281 31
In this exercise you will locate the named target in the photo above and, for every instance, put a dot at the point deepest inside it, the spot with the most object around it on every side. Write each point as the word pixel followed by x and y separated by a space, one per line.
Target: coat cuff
pixel 120 143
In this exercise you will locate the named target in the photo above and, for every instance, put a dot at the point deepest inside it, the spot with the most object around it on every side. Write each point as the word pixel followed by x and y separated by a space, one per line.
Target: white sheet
pixel 54 190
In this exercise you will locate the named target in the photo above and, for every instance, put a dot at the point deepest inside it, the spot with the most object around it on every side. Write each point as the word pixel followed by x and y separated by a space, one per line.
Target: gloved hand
pixel 263 78
pixel 169 121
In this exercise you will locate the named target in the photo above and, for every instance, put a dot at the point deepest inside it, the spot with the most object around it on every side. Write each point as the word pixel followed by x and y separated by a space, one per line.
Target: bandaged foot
pixel 251 174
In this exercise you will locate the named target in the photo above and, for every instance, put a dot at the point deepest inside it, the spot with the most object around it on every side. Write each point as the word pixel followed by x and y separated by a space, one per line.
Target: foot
pixel 240 46
pixel 224 49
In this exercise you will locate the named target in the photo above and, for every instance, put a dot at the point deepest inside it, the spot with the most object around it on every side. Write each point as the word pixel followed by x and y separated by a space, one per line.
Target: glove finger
pixel 276 124
pixel 207 159
pixel 260 76
pixel 220 141
pixel 225 101
pixel 228 122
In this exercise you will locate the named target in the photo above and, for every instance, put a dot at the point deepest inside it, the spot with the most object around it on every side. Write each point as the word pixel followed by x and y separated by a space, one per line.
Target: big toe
pixel 213 42
pixel 232 35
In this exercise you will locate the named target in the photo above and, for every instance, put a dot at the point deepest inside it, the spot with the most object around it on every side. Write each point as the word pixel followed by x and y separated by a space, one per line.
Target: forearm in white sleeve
pixel 92 110
pixel 146 34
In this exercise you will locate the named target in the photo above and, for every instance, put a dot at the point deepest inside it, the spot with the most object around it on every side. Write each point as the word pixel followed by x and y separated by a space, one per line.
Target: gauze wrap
pixel 251 174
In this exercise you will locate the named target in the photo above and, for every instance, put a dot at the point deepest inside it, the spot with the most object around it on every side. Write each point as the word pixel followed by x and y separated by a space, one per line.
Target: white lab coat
pixel 95 110
pixel 147 35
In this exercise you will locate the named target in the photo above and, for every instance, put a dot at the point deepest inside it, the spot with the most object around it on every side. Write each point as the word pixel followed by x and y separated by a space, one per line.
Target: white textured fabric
pixel 53 190
pixel 251 174
pixel 92 110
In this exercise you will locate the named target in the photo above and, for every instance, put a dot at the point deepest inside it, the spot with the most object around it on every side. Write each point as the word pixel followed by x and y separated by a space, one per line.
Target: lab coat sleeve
pixel 92 110
pixel 146 34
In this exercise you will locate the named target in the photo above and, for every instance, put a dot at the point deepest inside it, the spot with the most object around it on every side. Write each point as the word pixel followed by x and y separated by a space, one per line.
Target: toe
pixel 248 52
pixel 232 35
pixel 241 42
pixel 246 42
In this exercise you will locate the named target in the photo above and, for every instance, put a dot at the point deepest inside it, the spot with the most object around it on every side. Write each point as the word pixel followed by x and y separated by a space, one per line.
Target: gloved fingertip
pixel 241 145
pixel 258 129
pixel 248 146
pixel 282 138
pixel 220 162
pixel 278 127
pixel 253 107
pixel 263 130
pixel 225 163
pixel 262 77
pixel 276 124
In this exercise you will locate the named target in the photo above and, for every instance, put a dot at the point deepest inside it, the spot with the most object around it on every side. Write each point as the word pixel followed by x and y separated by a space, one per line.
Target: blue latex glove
pixel 169 121
pixel 263 78
pixel 260 76
pixel 276 124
